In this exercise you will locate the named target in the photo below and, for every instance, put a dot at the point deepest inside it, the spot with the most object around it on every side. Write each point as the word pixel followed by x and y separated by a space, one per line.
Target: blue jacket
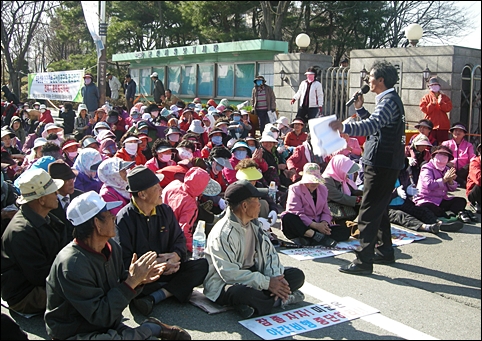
pixel 90 94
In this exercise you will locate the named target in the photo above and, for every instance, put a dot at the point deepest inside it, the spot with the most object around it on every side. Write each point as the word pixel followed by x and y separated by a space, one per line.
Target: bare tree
pixel 273 16
pixel 20 20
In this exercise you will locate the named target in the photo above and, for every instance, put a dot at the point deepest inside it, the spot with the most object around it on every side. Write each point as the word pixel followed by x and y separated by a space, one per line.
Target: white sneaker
pixel 296 297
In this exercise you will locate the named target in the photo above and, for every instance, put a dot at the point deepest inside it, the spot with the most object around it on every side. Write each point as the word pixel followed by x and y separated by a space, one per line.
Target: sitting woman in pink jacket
pixel 462 151
pixel 307 218
pixel 113 173
pixel 436 180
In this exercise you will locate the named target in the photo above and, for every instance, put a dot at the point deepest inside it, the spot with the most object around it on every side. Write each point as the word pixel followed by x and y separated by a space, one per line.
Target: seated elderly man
pixel 30 243
pixel 146 224
pixel 244 268
pixel 88 286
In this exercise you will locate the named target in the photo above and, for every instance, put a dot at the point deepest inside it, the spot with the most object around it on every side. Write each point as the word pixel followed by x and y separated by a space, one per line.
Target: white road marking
pixel 378 319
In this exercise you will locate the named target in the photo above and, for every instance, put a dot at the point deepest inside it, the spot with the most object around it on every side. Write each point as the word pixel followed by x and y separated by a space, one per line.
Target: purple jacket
pixel 300 202
pixel 462 153
pixel 85 184
pixel 431 187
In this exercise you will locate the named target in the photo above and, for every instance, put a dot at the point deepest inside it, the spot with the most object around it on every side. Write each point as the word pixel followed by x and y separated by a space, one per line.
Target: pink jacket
pixel 182 198
pixel 354 145
pixel 109 194
pixel 300 202
pixel 462 153
pixel 431 187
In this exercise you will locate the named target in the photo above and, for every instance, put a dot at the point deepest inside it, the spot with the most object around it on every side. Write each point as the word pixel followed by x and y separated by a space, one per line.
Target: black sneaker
pixel 144 304
pixel 463 215
pixel 328 242
pixel 244 310
pixel 434 228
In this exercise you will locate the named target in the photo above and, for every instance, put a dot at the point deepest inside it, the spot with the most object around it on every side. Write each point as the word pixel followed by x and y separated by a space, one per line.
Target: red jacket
pixel 140 159
pixel 182 198
pixel 436 109
pixel 473 178
pixel 46 117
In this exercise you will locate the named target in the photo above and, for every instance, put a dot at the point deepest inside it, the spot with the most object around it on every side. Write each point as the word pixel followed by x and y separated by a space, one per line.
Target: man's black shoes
pixel 356 269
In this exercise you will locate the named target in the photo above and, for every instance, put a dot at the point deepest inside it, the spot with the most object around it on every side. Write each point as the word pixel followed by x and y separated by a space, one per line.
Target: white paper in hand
pixel 325 140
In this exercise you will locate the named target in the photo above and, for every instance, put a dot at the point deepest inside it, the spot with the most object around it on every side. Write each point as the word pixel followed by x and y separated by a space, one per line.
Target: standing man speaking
pixel 383 158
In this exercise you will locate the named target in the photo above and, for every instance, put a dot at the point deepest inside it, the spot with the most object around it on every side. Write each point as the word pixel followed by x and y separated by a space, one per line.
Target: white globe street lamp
pixel 303 41
pixel 413 32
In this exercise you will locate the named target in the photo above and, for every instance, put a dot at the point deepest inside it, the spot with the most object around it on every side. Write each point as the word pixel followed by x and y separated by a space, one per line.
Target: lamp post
pixel 413 32
pixel 426 76
pixel 302 41
pixel 363 75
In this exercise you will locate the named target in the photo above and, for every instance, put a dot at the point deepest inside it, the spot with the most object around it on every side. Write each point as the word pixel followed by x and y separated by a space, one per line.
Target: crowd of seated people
pixel 176 165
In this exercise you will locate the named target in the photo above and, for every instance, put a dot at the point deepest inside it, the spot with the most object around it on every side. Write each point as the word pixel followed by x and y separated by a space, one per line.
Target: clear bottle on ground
pixel 199 240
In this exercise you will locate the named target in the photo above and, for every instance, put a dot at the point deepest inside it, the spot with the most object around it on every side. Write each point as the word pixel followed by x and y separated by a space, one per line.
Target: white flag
pixel 92 18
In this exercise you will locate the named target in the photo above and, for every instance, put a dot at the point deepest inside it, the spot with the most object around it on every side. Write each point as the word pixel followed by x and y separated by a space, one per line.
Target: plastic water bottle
pixel 272 190
pixel 199 240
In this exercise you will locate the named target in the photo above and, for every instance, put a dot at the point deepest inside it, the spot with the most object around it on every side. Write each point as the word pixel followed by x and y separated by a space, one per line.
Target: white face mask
pixel 131 148
pixel 184 154
pixel 165 157
pixel 42 110
pixel 72 155
pixel 435 88
pixel 155 113
pixel 173 137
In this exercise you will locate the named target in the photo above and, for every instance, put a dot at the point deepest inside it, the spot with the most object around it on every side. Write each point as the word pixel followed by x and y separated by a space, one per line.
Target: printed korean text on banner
pixel 91 14
pixel 56 86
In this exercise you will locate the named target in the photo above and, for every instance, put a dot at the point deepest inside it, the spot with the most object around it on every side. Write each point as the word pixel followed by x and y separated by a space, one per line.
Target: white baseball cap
pixel 88 205
pixel 154 74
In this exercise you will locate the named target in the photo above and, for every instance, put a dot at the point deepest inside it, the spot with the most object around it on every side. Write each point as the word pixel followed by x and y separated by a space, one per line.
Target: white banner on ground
pixel 56 86
pixel 308 318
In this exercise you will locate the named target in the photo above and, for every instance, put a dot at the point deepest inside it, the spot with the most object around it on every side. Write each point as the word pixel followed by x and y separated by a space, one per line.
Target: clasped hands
pixel 322 227
pixel 279 287
pixel 450 176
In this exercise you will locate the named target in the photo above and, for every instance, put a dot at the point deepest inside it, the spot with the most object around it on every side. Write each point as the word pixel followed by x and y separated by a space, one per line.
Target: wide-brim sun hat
pixel 36 183
pixel 224 162
pixel 311 174
pixel 268 138
pixel 212 189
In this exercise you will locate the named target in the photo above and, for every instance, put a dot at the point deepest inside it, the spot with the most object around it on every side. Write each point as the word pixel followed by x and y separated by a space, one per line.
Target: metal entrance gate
pixel 470 102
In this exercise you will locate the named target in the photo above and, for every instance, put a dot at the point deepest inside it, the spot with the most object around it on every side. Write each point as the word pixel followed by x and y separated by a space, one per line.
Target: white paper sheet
pixel 325 140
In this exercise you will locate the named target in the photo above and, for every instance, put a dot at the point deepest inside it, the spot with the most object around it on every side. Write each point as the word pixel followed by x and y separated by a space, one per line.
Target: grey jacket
pixel 225 249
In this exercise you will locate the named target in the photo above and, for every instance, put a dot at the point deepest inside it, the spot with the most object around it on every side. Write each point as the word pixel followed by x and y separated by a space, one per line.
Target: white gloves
pixel 264 223
pixel 273 216
pixel 412 191
pixel 412 161
pixel 401 193
pixel 222 204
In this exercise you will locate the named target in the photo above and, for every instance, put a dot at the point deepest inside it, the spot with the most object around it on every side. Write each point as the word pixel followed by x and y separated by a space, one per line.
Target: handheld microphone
pixel 362 91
